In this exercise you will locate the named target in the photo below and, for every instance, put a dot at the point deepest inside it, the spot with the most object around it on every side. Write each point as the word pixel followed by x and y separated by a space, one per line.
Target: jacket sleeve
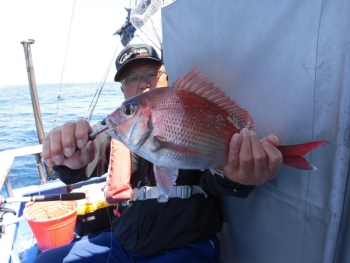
pixel 217 185
pixel 97 167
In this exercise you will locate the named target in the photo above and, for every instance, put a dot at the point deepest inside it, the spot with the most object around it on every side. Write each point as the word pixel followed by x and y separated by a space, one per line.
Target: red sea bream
pixel 187 126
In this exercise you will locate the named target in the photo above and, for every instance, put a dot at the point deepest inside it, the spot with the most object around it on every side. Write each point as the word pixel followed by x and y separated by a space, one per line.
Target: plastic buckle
pixel 186 192
pixel 147 193
pixel 125 203
pixel 144 193
pixel 162 199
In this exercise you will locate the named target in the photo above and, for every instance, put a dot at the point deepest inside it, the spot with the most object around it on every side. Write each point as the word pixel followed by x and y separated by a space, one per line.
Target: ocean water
pixel 17 123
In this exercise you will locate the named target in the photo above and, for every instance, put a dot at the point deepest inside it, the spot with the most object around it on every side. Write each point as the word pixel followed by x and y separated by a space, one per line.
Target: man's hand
pixel 251 161
pixel 68 145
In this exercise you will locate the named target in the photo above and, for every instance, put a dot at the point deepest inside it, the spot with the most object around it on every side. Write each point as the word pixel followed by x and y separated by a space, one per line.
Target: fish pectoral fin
pixel 159 142
pixel 140 131
pixel 165 178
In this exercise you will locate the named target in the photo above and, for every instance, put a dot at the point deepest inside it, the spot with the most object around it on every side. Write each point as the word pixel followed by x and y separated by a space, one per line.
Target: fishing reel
pixel 3 211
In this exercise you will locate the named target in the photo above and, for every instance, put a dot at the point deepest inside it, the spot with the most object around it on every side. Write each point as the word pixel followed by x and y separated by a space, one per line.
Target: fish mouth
pixel 110 123
pixel 113 134
pixel 111 128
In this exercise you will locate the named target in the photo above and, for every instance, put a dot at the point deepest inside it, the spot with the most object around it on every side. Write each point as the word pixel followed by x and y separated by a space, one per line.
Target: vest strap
pixel 153 192
pixel 118 180
pixel 118 187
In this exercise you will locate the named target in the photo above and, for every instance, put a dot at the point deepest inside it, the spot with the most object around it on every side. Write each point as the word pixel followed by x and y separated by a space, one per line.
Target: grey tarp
pixel 288 64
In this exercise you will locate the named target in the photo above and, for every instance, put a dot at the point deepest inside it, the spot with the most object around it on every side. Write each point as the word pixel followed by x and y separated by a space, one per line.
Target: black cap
pixel 133 52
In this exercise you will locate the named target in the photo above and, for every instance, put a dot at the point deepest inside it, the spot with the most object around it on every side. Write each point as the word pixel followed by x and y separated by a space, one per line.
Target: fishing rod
pixel 42 198
pixel 94 134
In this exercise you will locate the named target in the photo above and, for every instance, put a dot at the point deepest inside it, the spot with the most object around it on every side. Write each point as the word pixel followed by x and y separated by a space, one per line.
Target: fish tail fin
pixel 292 155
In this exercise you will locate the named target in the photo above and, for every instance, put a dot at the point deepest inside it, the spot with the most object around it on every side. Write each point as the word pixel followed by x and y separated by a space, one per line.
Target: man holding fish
pixel 174 173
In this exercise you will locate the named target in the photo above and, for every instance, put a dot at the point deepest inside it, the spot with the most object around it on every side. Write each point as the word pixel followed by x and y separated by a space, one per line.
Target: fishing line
pixel 64 63
pixel 110 222
pixel 99 90
pixel 109 216
pixel 15 178
pixel 96 97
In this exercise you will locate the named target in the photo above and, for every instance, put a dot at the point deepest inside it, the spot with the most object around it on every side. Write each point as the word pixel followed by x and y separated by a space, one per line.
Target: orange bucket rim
pixel 30 218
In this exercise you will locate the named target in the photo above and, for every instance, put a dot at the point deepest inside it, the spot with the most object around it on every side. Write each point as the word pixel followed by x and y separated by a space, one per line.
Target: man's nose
pixel 144 83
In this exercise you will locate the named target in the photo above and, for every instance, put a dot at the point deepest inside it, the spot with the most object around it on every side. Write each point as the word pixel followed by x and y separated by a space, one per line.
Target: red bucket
pixel 52 222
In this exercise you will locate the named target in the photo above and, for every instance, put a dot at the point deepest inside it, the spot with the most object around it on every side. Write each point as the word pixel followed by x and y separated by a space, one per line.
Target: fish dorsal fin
pixel 195 83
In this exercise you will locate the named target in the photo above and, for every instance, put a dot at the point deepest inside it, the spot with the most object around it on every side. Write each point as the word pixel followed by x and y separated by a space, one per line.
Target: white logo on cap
pixel 126 56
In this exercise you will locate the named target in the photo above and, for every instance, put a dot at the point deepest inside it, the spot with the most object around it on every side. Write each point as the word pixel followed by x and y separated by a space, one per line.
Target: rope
pixel 64 63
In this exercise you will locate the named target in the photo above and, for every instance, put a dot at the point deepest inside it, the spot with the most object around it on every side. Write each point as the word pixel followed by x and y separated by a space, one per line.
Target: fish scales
pixel 187 120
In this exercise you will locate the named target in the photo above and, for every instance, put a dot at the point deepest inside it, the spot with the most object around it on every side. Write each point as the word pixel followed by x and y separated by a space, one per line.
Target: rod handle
pixel 62 197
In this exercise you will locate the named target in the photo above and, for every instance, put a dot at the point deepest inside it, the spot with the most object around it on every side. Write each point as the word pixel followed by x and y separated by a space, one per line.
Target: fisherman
pixel 149 230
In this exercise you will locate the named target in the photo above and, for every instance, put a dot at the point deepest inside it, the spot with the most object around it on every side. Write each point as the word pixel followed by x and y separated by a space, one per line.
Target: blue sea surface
pixel 17 123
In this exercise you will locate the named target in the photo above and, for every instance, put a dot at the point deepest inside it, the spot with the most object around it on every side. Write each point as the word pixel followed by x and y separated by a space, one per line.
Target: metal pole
pixel 36 107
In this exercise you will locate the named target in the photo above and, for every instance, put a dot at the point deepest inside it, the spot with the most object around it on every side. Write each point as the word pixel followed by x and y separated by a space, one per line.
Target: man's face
pixel 138 68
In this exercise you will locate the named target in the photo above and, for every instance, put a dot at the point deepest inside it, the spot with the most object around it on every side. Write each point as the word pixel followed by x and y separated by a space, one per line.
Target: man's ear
pixel 121 87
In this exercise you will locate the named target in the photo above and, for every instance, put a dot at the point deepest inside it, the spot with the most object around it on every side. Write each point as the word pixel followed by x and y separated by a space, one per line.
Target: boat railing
pixel 7 157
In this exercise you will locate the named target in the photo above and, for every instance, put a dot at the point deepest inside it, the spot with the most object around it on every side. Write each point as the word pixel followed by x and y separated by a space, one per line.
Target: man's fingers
pixel 88 154
pixel 246 160
pixel 68 141
pixel 46 152
pixel 259 159
pixel 66 145
pixel 273 138
pixel 56 146
pixel 82 131
pixel 274 159
pixel 234 150
pixel 251 161
pixel 232 167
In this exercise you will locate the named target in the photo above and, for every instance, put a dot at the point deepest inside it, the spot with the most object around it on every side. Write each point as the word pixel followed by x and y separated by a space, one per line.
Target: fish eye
pixel 128 109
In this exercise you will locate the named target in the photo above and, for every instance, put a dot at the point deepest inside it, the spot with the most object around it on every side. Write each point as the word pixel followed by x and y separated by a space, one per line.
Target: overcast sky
pixel 91 45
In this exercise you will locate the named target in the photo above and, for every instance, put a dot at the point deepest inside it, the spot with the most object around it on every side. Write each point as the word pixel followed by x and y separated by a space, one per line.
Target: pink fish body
pixel 187 126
